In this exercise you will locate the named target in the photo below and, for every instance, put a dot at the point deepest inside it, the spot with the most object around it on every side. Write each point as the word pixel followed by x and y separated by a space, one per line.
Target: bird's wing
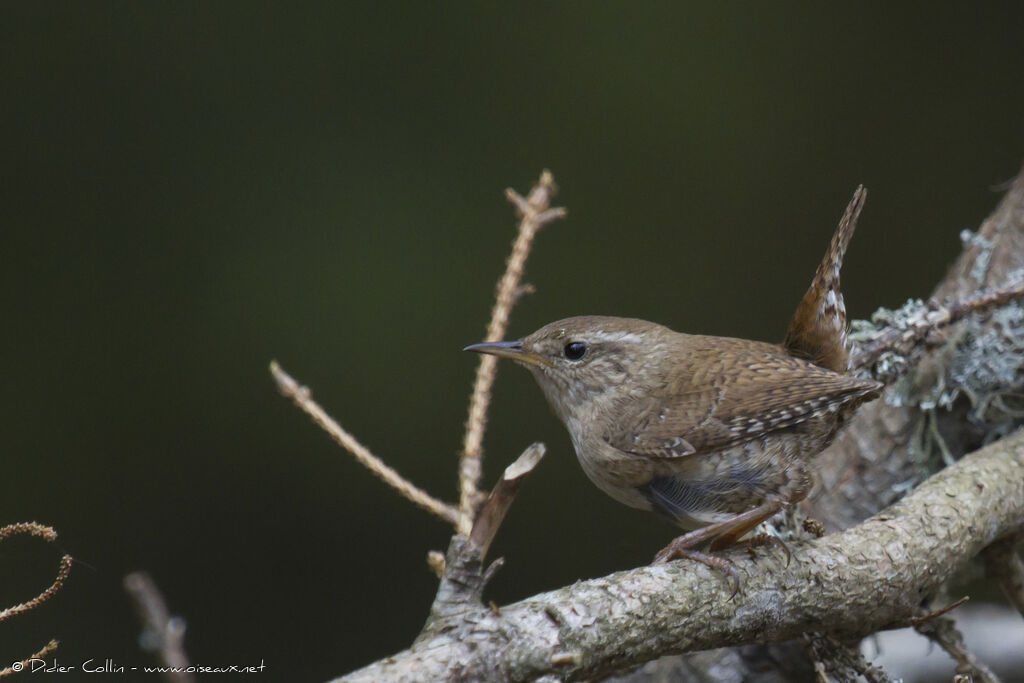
pixel 724 394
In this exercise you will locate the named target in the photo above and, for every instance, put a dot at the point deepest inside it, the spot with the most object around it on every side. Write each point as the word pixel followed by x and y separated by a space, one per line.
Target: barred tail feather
pixel 817 332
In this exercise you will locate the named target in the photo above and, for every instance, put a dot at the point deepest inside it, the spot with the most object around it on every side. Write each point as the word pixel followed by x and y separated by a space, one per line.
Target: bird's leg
pixel 724 533
pixel 741 524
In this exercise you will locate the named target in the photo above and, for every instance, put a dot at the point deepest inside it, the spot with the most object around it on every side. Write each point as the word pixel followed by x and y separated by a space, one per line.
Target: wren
pixel 713 432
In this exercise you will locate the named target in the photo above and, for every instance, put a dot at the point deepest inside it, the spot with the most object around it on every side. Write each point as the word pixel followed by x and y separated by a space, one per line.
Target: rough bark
pixel 853 583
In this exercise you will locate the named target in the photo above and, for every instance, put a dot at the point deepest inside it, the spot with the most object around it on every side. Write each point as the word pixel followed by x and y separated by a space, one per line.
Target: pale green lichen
pixel 982 363
pixel 987 369
pixel 890 364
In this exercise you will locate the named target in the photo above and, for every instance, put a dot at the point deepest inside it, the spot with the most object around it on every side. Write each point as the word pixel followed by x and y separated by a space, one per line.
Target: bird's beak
pixel 509 349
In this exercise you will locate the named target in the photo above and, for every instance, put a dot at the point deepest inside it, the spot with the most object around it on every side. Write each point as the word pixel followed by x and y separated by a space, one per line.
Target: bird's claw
pixel 768 539
pixel 676 550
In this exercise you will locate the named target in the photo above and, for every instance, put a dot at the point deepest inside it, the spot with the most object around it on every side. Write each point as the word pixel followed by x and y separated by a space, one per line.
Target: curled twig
pixel 49 534
pixel 62 574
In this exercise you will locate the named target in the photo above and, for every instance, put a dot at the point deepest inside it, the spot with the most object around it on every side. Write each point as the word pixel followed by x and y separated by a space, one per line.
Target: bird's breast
pixel 620 475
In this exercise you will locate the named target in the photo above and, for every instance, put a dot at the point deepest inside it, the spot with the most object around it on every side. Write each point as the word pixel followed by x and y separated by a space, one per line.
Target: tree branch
pixel 867 578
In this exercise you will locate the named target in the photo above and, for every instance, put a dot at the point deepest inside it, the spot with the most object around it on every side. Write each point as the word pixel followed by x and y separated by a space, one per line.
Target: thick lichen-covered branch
pixel 856 582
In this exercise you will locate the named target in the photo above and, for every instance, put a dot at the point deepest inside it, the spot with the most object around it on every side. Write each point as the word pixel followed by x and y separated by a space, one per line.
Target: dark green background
pixel 192 189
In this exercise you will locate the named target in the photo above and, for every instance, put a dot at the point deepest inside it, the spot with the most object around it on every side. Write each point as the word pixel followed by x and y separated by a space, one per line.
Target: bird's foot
pixel 680 548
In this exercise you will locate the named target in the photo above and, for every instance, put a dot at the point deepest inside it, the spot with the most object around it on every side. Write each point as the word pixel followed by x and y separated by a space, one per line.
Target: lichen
pixel 987 370
pixel 979 269
pixel 980 361
pixel 982 364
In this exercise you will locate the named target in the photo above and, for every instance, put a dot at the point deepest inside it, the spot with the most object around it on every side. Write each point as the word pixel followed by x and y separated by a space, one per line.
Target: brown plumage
pixel 713 432
pixel 817 331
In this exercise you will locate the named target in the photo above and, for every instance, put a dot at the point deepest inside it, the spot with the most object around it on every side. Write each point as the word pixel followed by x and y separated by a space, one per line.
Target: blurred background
pixel 193 189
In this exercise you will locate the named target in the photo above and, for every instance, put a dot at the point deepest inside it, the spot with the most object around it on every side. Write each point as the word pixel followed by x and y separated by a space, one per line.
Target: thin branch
pixel 1003 563
pixel 943 632
pixel 935 614
pixel 302 397
pixel 161 633
pixel 25 663
pixel 535 214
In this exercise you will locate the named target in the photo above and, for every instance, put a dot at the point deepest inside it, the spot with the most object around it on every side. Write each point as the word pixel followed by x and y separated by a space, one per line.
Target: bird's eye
pixel 575 350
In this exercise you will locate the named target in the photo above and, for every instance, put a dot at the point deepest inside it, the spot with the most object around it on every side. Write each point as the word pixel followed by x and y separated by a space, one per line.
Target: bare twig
pixel 943 632
pixel 935 614
pixel 162 633
pixel 302 397
pixel 493 512
pixel 24 664
pixel 1003 563
pixel 535 214
pixel 44 532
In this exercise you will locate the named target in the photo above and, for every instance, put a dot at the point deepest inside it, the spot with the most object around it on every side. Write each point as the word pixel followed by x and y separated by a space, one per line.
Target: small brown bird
pixel 713 432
